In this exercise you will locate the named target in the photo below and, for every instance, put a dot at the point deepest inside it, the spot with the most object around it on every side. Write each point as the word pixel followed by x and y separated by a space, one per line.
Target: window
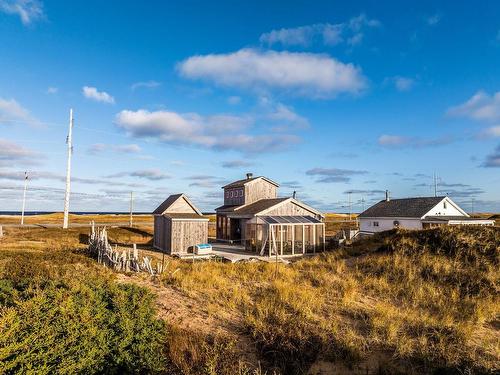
pixel 231 194
pixel 241 192
pixel 375 223
pixel 444 205
pixel 227 194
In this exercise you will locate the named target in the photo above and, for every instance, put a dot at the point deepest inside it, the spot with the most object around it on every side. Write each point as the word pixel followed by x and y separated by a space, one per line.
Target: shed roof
pixel 406 207
pixel 245 181
pixel 160 210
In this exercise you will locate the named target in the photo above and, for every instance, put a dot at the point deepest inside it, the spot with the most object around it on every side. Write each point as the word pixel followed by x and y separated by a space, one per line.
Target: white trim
pixel 188 219
pixel 448 200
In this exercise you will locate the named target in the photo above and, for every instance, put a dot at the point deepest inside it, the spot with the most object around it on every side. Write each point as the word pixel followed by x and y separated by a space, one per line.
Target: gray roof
pixel 227 208
pixel 244 181
pixel 406 207
pixel 252 208
pixel 259 206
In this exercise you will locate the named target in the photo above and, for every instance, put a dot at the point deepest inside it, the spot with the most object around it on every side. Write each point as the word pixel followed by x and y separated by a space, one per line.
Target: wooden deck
pixel 237 253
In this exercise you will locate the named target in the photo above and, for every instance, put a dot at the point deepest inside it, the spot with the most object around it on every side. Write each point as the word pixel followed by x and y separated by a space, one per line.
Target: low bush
pixel 61 315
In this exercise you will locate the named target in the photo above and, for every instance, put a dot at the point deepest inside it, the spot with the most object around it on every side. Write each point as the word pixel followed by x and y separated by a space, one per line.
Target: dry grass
pixel 429 298
pixel 413 302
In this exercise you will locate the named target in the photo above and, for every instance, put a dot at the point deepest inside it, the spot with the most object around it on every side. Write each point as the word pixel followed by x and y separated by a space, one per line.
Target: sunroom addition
pixel 285 235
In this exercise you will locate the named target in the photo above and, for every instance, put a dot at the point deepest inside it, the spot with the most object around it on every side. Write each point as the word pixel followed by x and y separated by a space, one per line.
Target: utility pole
pixel 69 141
pixel 363 202
pixel 24 196
pixel 349 195
pixel 131 208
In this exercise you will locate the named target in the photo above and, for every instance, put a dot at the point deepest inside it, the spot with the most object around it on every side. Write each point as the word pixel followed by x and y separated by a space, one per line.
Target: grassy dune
pixel 399 302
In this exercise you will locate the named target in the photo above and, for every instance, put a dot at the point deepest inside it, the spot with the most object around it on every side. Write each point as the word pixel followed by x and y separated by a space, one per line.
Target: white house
pixel 415 213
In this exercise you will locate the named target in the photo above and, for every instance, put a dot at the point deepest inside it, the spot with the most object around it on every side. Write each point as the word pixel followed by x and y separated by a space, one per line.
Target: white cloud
pixel 491 132
pixel 493 159
pixel 52 90
pixel 309 74
pixel 12 111
pixel 101 147
pixel 146 84
pixel 392 140
pixel 222 132
pixel 398 141
pixel 99 96
pixel 282 113
pixel 433 20
pixel 233 100
pixel 235 164
pixel 11 152
pixel 334 175
pixel 329 34
pixel 149 174
pixel 27 10
pixel 403 83
pixel 481 106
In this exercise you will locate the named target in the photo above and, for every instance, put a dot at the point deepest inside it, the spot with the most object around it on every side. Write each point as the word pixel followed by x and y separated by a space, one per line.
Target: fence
pixel 126 260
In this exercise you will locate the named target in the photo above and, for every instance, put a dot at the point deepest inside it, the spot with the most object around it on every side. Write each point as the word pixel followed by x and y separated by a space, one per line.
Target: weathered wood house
pixel 255 216
pixel 179 226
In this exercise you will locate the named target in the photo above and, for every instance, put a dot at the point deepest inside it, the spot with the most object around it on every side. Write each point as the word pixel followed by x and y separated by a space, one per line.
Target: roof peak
pixel 248 179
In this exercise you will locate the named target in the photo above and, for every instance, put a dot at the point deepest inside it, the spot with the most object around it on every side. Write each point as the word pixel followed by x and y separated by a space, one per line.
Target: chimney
pixel 387 196
pixel 294 194
pixel 249 176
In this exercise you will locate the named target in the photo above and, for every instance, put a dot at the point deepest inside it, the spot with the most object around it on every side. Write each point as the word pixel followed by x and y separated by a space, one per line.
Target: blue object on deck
pixel 204 248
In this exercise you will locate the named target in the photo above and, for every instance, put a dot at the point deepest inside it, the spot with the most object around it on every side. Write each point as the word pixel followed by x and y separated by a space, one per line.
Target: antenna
pixel 131 208
pixel 69 141
pixel 24 196
pixel 435 185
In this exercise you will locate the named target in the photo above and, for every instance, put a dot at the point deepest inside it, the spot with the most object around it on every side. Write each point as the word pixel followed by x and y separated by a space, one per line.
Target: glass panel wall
pixel 287 239
pixel 283 237
pixel 299 239
pixel 308 238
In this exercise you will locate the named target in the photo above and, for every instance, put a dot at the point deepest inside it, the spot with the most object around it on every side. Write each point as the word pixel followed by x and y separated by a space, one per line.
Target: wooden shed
pixel 179 226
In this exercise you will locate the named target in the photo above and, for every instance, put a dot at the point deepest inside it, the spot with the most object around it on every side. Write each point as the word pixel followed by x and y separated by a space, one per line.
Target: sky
pixel 338 101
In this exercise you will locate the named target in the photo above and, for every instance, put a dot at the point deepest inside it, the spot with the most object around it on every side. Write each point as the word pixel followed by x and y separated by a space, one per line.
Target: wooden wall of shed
pixel 180 206
pixel 290 209
pixel 259 189
pixel 162 234
pixel 186 234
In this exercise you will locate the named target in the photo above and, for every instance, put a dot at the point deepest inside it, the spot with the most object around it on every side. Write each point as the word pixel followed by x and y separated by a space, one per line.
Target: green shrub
pixel 66 319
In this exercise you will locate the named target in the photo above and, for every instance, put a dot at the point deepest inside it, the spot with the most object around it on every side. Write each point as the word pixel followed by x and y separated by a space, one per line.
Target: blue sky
pixel 323 97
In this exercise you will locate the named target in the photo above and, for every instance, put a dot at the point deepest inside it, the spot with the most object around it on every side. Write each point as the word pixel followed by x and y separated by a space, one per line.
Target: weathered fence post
pixel 1 231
